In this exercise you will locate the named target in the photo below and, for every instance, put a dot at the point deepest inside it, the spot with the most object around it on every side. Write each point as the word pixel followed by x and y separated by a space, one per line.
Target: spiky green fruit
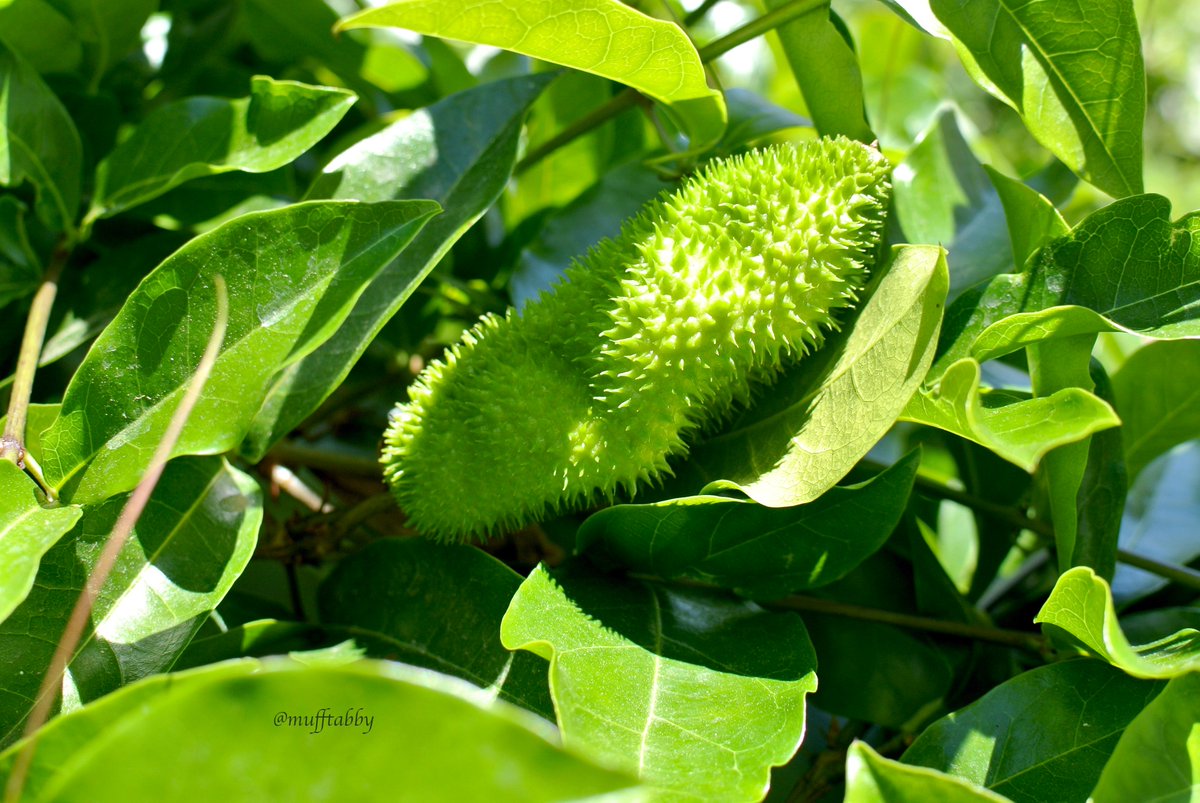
pixel 649 337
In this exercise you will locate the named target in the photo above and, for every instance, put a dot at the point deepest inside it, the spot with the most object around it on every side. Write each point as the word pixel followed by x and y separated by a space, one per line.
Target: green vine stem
pixel 12 443
pixel 628 98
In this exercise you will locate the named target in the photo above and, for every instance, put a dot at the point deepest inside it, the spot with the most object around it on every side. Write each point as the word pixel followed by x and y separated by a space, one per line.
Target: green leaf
pixel 193 540
pixel 942 196
pixel 385 727
pixel 42 35
pixel 1158 757
pixel 278 121
pixel 38 142
pixel 699 695
pixel 752 117
pixel 408 598
pixel 602 37
pixel 1074 73
pixel 27 531
pixel 19 268
pixel 1019 429
pixel 1158 395
pixel 871 778
pixel 1081 604
pixel 825 67
pixel 812 426
pixel 108 30
pixel 1044 735
pixel 1100 500
pixel 459 152
pixel 759 551
pixel 1032 219
pixel 293 276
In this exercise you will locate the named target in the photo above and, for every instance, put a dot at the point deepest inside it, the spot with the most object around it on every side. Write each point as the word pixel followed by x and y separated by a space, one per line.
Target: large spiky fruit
pixel 649 337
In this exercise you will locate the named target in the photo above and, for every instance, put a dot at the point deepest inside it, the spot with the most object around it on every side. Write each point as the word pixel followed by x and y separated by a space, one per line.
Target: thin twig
pixel 759 26
pixel 698 13
pixel 337 462
pixel 81 614
pixel 1182 575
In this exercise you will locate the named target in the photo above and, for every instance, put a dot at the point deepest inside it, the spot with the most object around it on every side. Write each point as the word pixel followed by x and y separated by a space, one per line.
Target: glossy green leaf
pixel 1044 735
pixel 602 37
pixel 293 275
pixel 759 551
pixel 942 196
pixel 277 122
pixel 1019 429
pixel 292 732
pixel 27 531
pixel 459 152
pixel 1158 757
pixel 812 426
pixel 871 778
pixel 1160 520
pixel 38 142
pixel 1081 605
pixel 42 35
pixel 1073 72
pixel 1032 219
pixel 699 695
pixel 1158 395
pixel 826 69
pixel 408 598
pixel 193 540
pixel 19 268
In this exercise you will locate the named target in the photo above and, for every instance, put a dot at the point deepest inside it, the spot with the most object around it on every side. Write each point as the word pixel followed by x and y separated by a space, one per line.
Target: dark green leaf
pixel 38 142
pixel 762 552
pixel 871 778
pixel 1158 757
pixel 27 531
pixel 108 29
pixel 293 275
pixel 812 426
pixel 459 152
pixel 699 695
pixel 19 268
pixel 1100 501
pixel 1073 72
pixel 409 598
pixel 942 196
pixel 752 117
pixel 42 35
pixel 1158 396
pixel 386 727
pixel 826 69
pixel 278 121
pixel 193 540
pixel 605 37
pixel 1044 735
pixel 1081 605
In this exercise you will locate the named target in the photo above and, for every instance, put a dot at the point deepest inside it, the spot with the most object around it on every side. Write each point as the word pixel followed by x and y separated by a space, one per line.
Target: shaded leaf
pixel 42 35
pixel 1100 500
pixel 27 531
pixel 1044 735
pixel 1073 72
pixel 469 746
pixel 826 69
pixel 278 121
pixel 1158 395
pixel 107 29
pixel 19 268
pixel 812 426
pixel 1019 429
pixel 761 552
pixel 699 695
pixel 459 152
pixel 1032 219
pixel 1081 605
pixel 1158 757
pixel 410 598
pixel 602 37
pixel 752 117
pixel 293 276
pixel 38 142
pixel 193 540
pixel 871 778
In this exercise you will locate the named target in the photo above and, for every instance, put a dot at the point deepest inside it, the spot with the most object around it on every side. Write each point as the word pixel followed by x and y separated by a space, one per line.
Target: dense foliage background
pixel 225 215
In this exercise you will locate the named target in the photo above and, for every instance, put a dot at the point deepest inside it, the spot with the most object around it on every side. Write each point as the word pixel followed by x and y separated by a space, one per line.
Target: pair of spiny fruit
pixel 648 339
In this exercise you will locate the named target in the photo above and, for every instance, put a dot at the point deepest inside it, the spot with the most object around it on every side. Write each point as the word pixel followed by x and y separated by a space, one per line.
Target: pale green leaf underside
pixel 603 37
pixel 1082 605
pixel 871 778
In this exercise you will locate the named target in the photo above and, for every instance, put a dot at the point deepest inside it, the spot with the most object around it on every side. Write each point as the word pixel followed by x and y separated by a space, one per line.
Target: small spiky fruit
pixel 648 338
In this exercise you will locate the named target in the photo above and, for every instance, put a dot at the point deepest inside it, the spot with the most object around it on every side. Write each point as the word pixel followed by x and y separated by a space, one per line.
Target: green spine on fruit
pixel 648 338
